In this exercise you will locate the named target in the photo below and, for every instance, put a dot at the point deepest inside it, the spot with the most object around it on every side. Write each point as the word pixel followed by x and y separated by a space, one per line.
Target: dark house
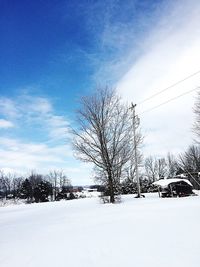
pixel 174 187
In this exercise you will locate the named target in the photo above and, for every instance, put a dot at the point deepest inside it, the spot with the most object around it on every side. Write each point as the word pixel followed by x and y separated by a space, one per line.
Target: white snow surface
pixel 151 231
pixel 166 182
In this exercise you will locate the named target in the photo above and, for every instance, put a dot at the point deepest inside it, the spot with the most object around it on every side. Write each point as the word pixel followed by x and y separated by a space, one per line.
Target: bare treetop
pixel 104 135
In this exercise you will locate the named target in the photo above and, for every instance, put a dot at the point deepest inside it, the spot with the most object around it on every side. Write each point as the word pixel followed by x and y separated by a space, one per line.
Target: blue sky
pixel 52 52
pixel 58 47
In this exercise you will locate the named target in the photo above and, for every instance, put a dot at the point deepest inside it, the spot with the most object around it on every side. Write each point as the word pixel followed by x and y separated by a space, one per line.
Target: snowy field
pixel 148 232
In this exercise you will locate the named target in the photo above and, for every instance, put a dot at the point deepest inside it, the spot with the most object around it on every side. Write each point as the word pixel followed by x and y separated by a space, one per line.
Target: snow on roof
pixel 166 182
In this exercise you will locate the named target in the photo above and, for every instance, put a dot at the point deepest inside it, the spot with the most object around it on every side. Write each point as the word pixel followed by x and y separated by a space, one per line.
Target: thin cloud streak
pixel 5 124
pixel 172 53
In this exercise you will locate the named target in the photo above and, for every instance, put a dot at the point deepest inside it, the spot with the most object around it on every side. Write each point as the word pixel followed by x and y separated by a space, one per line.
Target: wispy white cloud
pixel 34 112
pixel 20 157
pixel 114 28
pixel 171 52
pixel 58 127
pixel 8 108
pixel 34 104
pixel 5 124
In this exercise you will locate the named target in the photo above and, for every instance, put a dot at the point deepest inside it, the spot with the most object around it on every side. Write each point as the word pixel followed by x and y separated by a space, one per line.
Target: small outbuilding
pixel 174 187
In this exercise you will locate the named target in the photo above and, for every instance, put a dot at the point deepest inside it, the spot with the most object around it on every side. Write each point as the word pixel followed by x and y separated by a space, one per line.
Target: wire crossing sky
pixel 53 52
pixel 169 87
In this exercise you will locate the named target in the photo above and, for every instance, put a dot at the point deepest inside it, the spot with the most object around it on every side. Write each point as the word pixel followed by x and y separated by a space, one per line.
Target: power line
pixel 169 87
pixel 171 99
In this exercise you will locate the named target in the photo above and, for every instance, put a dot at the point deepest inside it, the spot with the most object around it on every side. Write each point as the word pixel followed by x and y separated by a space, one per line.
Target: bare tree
pixel 5 183
pixel 58 179
pixel 16 185
pixel 171 165
pixel 165 167
pixel 190 160
pixel 151 168
pixel 10 184
pixel 63 179
pixel 2 183
pixel 162 168
pixel 189 163
pixel 35 178
pixel 104 137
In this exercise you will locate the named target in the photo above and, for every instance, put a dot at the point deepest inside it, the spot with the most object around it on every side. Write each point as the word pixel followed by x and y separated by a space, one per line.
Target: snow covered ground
pixel 148 232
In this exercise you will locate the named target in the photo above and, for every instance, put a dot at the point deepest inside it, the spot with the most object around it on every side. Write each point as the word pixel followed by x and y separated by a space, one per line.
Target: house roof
pixel 166 182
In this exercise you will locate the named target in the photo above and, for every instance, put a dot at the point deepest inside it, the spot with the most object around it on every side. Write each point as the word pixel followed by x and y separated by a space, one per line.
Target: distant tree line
pixel 186 164
pixel 56 186
pixel 36 187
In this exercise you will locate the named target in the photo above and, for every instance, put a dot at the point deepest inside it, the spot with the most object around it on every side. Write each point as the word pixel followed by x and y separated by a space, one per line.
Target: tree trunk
pixel 112 193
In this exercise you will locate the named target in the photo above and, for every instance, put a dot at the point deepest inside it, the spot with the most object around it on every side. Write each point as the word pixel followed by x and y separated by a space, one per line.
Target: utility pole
pixel 135 149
